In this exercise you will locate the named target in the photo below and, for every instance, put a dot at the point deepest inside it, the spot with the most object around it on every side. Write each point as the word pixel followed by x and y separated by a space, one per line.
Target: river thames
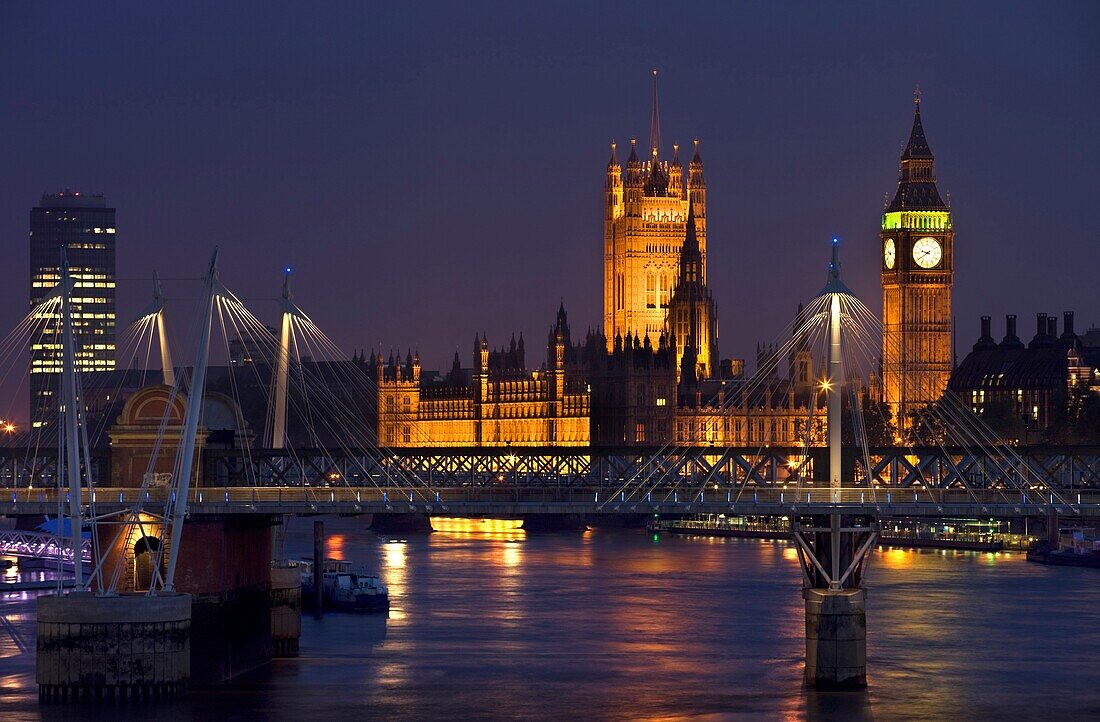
pixel 617 624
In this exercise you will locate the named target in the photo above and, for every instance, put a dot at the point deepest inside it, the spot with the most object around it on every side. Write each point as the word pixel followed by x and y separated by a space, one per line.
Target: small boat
pixel 1041 553
pixel 1076 549
pixel 343 589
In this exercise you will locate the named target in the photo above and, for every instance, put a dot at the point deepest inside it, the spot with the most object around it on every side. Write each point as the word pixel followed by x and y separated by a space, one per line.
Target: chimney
pixel 986 339
pixel 1042 338
pixel 1052 326
pixel 1011 340
pixel 1067 325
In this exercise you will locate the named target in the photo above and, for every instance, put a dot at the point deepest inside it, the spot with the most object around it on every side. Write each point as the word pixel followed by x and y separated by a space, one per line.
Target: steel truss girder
pixel 627 472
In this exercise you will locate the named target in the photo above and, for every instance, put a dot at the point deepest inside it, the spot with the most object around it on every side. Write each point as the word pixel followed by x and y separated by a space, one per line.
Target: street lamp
pixel 1027 419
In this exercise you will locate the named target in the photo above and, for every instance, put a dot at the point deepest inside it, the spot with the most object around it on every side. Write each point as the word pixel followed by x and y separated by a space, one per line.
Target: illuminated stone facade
pixel 496 402
pixel 652 375
pixel 692 318
pixel 637 399
pixel 918 259
pixel 646 212
pixel 633 391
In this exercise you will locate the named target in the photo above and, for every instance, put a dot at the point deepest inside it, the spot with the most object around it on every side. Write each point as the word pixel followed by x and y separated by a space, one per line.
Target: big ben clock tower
pixel 918 258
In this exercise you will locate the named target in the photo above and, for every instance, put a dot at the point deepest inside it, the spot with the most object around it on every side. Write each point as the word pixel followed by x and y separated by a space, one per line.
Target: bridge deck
pixel 510 500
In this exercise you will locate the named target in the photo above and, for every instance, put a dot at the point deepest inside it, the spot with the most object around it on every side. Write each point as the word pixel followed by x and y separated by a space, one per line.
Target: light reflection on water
pixel 611 625
pixel 393 575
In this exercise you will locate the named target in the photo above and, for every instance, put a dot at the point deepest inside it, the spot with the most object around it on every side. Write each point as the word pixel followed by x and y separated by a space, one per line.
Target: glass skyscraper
pixel 85 226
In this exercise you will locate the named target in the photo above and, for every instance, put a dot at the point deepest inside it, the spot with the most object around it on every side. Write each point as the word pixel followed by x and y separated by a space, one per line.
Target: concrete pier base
pixel 286 609
pixel 540 523
pixel 230 633
pixel 127 646
pixel 836 637
pixel 401 524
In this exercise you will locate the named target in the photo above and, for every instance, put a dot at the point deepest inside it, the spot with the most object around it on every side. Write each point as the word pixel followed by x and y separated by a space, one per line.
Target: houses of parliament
pixel 652 375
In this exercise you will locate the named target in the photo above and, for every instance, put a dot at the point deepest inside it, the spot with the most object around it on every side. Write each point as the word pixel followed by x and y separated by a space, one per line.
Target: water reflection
pixel 394 559
pixel 894 557
pixel 512 554
pixel 334 546
pixel 395 556
pixel 610 625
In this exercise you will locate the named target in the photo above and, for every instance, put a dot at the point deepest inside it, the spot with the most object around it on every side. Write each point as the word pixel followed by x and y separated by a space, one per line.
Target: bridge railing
pixel 271 499
pixel 39 545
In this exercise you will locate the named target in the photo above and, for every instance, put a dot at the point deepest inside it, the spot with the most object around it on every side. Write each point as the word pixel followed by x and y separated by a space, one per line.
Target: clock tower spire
pixel 918 258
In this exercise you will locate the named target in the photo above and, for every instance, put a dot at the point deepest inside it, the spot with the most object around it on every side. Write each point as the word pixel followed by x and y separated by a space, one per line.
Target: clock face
pixel 889 253
pixel 927 253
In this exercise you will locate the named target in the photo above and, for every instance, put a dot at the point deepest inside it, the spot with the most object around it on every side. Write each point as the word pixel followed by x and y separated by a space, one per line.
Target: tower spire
pixel 917 177
pixel 691 259
pixel 655 121
pixel 917 147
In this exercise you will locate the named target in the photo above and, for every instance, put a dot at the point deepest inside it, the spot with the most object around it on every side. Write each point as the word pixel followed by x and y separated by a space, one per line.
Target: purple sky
pixel 436 171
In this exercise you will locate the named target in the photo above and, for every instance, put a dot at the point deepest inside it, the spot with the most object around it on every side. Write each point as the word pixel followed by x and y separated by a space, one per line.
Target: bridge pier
pixel 318 568
pixel 402 523
pixel 286 609
pixel 836 637
pixel 536 523
pixel 833 552
pixel 127 646
pixel 224 569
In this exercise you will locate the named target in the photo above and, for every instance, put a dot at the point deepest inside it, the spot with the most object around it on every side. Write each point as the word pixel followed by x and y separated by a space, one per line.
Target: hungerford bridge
pixel 513 481
pixel 183 559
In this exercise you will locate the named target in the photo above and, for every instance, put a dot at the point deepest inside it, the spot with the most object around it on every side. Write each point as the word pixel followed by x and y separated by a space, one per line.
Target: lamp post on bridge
pixel 834 548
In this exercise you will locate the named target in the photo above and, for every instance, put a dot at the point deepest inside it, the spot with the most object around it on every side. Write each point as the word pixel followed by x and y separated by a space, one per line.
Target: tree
pixel 878 422
pixel 1003 420
pixel 1088 418
pixel 1075 417
pixel 926 426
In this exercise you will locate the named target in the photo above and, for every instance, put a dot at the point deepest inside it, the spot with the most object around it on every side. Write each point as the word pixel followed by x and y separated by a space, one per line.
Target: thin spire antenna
pixel 916 97
pixel 655 121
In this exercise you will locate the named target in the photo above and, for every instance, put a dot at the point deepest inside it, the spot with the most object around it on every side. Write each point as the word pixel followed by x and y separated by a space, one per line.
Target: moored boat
pixel 1076 549
pixel 344 589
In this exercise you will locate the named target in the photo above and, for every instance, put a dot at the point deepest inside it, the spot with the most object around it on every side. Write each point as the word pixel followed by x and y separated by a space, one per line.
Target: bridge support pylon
pixel 833 552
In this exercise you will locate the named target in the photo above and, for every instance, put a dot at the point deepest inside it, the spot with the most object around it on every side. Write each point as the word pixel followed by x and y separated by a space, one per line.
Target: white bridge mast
pixel 282 366
pixel 181 484
pixel 69 400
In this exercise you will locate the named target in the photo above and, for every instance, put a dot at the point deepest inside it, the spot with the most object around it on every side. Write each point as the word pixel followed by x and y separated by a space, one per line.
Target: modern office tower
pixel 85 226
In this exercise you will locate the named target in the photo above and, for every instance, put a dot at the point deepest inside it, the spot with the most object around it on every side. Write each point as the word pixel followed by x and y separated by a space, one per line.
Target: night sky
pixel 432 171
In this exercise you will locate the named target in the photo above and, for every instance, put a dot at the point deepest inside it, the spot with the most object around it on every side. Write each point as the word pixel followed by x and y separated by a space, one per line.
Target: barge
pixel 343 589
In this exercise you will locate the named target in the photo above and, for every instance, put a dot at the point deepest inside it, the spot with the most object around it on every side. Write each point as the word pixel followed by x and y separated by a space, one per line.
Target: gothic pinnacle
pixel 655 121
